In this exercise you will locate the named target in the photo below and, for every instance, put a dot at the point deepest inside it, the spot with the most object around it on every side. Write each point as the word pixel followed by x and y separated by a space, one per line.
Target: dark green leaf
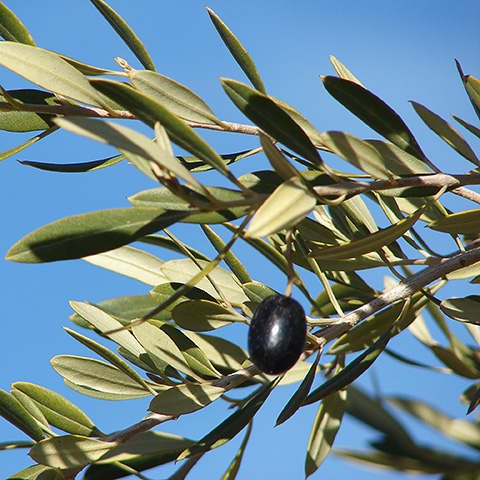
pixel 12 29
pixel 232 470
pixel 38 472
pixel 89 234
pixel 238 52
pixel 125 33
pixel 463 309
pixel 272 119
pixel 75 167
pixel 374 112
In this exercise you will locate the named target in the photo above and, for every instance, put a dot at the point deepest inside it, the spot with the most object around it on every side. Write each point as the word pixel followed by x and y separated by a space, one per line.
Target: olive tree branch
pixel 404 289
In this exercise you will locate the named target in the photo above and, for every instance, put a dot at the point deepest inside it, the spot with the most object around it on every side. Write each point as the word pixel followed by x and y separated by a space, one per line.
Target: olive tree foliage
pixel 299 213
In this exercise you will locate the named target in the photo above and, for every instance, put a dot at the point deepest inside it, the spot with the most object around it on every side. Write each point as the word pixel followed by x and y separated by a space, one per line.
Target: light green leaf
pixel 38 472
pixel 80 167
pixel 70 451
pixel 150 112
pixel 357 152
pixel 12 29
pixel 49 71
pixel 125 33
pixel 233 425
pixel 374 112
pixel 447 132
pixel 238 52
pixel 183 270
pixel 184 398
pixel 131 262
pixel 343 71
pixel 463 309
pixel 176 97
pixel 324 430
pixel 58 411
pixel 467 223
pixel 88 234
pixel 99 379
pixel 14 412
pixel 203 315
pixel 124 138
pixel 271 118
pixel 285 207
pixel 277 160
pixel 369 243
pixel 89 70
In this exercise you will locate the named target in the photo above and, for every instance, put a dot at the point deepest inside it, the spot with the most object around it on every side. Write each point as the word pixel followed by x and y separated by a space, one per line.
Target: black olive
pixel 276 338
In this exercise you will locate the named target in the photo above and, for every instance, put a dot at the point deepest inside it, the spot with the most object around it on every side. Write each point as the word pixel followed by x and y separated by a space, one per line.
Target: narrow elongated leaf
pixel 14 412
pixel 447 132
pixel 176 97
pixel 203 315
pixel 150 112
pixel 131 262
pixel 374 112
pixel 99 379
pixel 238 52
pixel 38 472
pixel 463 309
pixel 33 410
pixel 325 428
pixel 184 398
pixel 232 470
pixel 268 116
pixel 111 357
pixel 49 71
pixel 70 451
pixel 467 223
pixel 125 33
pixel 470 83
pixel 371 242
pixel 124 138
pixel 277 160
pixel 88 234
pixel 183 270
pixel 12 29
pixel 58 410
pixel 231 426
pixel 468 126
pixel 357 152
pixel 343 71
pixel 80 167
pixel 285 207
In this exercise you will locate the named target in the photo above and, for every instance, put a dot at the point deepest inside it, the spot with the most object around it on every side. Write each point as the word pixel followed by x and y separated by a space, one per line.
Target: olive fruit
pixel 276 337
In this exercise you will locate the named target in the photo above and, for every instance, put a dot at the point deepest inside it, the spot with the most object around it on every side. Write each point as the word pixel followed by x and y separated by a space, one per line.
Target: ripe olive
pixel 276 337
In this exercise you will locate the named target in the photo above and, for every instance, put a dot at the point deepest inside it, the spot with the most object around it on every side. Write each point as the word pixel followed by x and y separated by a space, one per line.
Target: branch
pixel 401 291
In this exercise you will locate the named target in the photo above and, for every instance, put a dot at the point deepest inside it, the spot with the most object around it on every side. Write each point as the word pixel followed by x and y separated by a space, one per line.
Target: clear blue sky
pixel 399 50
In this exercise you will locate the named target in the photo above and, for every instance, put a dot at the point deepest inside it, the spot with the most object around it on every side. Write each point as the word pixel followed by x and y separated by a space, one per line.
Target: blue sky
pixel 399 50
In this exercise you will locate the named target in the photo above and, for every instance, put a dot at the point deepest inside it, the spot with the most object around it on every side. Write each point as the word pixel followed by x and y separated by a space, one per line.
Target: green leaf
pixel 185 398
pixel 49 71
pixel 125 33
pixel 38 472
pixel 467 223
pixel 110 357
pixel 12 29
pixel 232 470
pixel 70 451
pixel 233 425
pixel 176 97
pixel 88 70
pixel 16 120
pixel 13 151
pixel 369 243
pixel 472 87
pixel 238 52
pixel 80 167
pixel 14 412
pixel 374 112
pixel 285 207
pixel 131 262
pixel 463 309
pixel 343 71
pixel 300 395
pixel 203 315
pixel 184 270
pixel 446 132
pixel 97 379
pixel 150 112
pixel 126 139
pixel 88 234
pixel 324 430
pixel 357 152
pixel 271 118
pixel 58 411
pixel 352 371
